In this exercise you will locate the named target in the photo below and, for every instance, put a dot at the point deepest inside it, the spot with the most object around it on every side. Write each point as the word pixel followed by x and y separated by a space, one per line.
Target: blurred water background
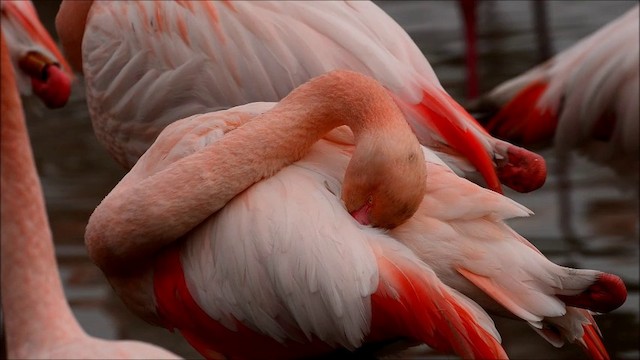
pixel 77 173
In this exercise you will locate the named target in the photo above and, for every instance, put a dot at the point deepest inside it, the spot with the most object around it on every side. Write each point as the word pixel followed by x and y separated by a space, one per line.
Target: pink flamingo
pixel 584 98
pixel 294 290
pixel 184 58
pixel 35 55
pixel 37 319
pixel 268 263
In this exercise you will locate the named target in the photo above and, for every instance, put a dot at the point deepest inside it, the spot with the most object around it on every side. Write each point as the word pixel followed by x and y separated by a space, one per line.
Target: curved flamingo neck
pixel 137 220
pixel 32 294
pixel 70 25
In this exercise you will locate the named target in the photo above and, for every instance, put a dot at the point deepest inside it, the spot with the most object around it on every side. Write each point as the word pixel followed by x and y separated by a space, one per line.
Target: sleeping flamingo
pixel 279 270
pixel 183 58
pixel 584 98
pixel 319 283
pixel 37 319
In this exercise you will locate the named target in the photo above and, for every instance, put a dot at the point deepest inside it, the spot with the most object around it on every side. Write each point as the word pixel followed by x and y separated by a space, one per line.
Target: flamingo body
pixel 583 98
pixel 268 249
pixel 331 286
pixel 192 57
pixel 472 250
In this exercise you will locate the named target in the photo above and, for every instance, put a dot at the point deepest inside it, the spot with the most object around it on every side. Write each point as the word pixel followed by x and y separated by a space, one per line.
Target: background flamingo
pixel 469 12
pixel 203 56
pixel 40 68
pixel 37 319
pixel 585 99
pixel 76 173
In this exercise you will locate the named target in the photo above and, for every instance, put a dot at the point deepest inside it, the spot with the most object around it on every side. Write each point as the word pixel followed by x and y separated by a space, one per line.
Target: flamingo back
pixel 584 98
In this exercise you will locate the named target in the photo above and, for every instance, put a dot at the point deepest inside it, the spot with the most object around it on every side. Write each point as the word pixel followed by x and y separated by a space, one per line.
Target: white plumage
pixel 285 253
pixel 147 64
pixel 592 92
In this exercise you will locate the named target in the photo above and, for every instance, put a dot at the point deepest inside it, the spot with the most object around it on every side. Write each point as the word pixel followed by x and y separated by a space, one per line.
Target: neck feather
pixel 132 222
pixel 70 24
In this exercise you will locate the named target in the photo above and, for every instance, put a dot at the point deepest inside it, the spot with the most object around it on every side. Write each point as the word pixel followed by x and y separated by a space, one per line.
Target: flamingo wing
pixel 285 263
pixel 148 64
pixel 459 231
pixel 585 97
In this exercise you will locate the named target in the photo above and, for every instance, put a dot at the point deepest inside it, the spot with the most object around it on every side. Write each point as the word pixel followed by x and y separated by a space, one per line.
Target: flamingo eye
pixel 370 200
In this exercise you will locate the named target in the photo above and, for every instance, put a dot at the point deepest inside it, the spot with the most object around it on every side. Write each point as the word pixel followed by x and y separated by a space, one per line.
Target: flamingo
pixel 42 69
pixel 292 290
pixel 37 319
pixel 584 98
pixel 272 259
pixel 184 58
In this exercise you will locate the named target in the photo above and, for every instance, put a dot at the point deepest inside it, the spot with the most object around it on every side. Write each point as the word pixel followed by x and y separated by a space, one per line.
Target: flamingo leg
pixel 468 8
pixel 541 26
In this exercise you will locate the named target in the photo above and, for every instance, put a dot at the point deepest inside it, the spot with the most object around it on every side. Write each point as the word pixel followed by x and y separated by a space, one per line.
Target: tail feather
pixel 501 296
pixel 576 326
pixel 580 290
pixel 604 295
pixel 592 343
pixel 460 138
pixel 521 169
pixel 412 302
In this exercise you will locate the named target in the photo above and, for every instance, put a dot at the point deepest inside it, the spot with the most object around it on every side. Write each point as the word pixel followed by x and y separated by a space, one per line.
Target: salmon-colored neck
pixel 32 293
pixel 70 24
pixel 244 156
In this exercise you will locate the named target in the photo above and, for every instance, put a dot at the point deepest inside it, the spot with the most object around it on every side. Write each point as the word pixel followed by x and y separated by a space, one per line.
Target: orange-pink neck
pixel 70 24
pixel 33 302
pixel 131 223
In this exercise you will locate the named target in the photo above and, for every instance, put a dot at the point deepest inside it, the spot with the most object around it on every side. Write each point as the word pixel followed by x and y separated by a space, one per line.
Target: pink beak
pixel 362 215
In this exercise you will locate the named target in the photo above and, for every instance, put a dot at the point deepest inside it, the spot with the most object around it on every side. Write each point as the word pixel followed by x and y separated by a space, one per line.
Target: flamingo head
pixel 385 183
pixel 40 67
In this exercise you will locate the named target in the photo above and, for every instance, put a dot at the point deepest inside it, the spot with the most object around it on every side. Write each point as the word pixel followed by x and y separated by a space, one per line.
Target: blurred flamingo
pixel 584 98
pixel 40 68
pixel 184 58
pixel 37 319
pixel 469 15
